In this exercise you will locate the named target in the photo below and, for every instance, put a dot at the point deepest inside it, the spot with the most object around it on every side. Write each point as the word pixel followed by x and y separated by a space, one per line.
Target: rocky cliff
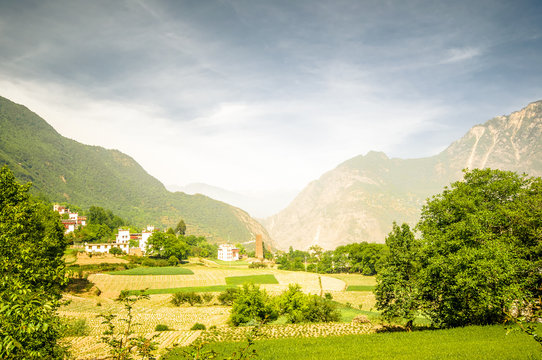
pixel 359 200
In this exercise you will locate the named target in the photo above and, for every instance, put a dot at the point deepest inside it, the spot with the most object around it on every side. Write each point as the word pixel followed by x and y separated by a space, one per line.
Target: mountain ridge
pixel 360 198
pixel 85 175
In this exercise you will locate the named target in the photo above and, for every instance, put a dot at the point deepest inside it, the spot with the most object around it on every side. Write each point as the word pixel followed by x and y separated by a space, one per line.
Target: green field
pixel 360 288
pixel 166 270
pixel 474 342
pixel 256 279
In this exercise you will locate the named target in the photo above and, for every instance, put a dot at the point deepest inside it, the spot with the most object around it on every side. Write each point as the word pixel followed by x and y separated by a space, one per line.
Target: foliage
pixel 228 296
pixel 161 327
pixel 396 290
pixel 299 307
pixel 172 261
pixel 257 265
pixel 32 273
pixel 116 251
pixel 191 298
pixel 180 228
pixel 252 304
pixel 479 256
pixel 363 258
pixel 165 245
pixel 198 326
pixel 74 327
pixel 123 344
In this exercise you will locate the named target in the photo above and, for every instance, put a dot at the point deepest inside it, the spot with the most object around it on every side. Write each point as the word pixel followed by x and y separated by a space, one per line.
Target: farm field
pixel 165 270
pixel 161 282
pixel 474 342
pixel 111 285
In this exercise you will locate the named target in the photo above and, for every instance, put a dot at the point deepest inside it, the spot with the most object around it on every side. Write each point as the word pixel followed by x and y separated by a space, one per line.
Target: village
pixel 137 243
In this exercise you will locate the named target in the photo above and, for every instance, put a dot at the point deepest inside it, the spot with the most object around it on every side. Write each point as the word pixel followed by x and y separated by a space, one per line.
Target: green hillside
pixel 66 171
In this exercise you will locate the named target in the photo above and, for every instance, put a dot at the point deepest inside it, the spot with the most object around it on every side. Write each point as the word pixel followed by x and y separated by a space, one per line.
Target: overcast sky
pixel 255 95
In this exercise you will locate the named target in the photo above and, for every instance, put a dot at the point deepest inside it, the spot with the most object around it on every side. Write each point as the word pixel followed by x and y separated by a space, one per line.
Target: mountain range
pixel 359 199
pixel 64 170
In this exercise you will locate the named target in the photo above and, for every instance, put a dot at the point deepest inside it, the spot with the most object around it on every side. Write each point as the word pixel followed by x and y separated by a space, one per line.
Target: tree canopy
pixel 479 254
pixel 32 273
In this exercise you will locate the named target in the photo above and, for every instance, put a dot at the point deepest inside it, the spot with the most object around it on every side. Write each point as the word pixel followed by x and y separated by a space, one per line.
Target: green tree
pixel 396 291
pixel 481 255
pixel 252 304
pixel 32 274
pixel 180 228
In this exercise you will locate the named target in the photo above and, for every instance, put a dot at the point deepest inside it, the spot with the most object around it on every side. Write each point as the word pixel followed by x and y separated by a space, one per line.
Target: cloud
pixel 461 54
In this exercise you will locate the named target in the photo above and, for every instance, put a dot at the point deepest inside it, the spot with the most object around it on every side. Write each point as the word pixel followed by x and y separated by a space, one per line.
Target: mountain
pixel 66 171
pixel 258 204
pixel 359 200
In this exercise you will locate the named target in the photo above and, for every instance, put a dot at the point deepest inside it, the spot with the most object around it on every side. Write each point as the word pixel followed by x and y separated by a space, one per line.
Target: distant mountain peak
pixel 359 200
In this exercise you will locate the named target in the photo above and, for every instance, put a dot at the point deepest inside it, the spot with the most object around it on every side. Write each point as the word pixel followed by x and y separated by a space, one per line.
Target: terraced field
pixel 111 285
pixel 158 310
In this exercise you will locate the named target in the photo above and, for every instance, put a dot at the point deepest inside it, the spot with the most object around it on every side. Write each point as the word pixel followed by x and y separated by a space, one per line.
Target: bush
pixel 161 327
pixel 257 265
pixel 74 327
pixel 252 305
pixel 228 296
pixel 299 307
pixel 116 251
pixel 186 298
pixel 198 326
pixel 207 297
pixel 172 261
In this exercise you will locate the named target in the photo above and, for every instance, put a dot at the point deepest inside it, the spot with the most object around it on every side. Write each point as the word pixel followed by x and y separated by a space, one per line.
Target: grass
pixel 166 270
pixel 214 288
pixel 474 342
pixel 256 279
pixel 360 288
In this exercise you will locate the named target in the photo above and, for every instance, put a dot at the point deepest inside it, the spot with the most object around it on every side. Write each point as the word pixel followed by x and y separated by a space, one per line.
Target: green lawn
pixel 256 279
pixel 360 288
pixel 213 288
pixel 166 270
pixel 474 342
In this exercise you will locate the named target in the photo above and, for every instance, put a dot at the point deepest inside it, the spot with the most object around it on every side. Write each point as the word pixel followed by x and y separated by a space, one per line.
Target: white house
pixel 123 236
pixel 104 248
pixel 228 252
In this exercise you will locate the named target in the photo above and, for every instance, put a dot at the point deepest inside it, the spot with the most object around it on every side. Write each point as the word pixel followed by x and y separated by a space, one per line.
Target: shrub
pixel 172 261
pixel 252 305
pixel 186 297
pixel 161 327
pixel 228 296
pixel 299 307
pixel 116 251
pixel 207 297
pixel 198 326
pixel 257 265
pixel 74 327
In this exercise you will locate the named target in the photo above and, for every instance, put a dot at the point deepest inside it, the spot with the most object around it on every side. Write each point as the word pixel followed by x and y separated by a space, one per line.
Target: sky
pixel 262 97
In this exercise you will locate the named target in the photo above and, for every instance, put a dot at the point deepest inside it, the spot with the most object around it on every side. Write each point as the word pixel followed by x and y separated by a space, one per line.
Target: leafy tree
pixel 116 251
pixel 32 274
pixel 396 291
pixel 479 256
pixel 166 245
pixel 482 248
pixel 252 305
pixel 299 307
pixel 180 228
